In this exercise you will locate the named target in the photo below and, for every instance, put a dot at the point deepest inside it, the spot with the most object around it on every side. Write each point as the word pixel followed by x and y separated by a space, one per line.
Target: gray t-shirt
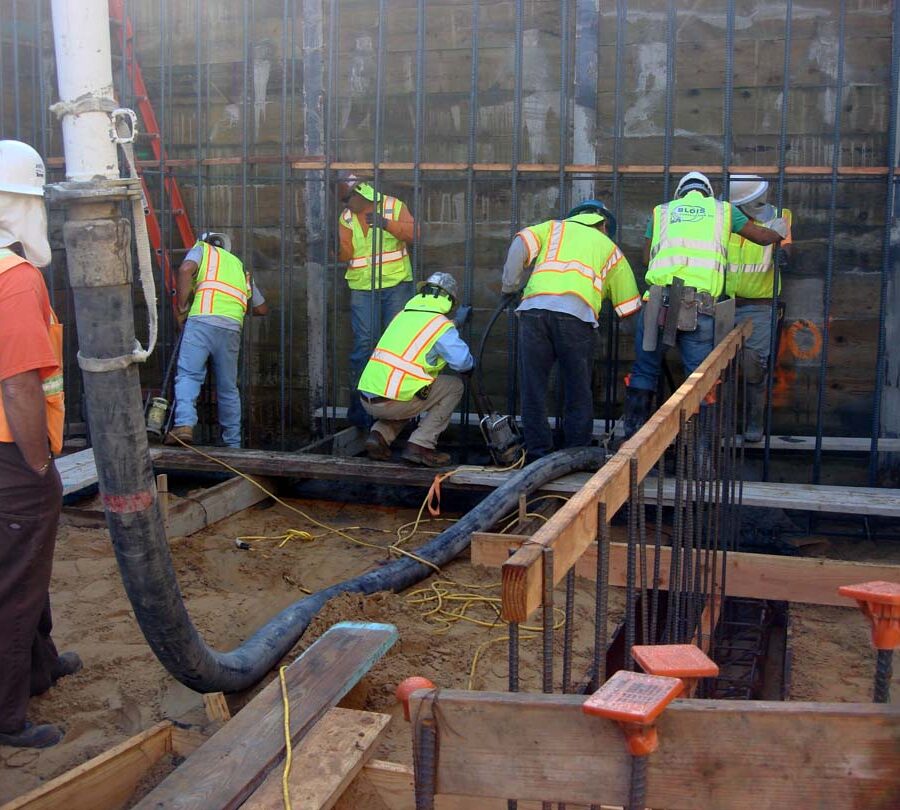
pixel 195 255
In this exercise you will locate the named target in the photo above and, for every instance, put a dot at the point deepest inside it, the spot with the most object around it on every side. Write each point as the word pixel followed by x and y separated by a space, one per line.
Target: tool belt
pixel 423 393
pixel 673 308
pixel 752 302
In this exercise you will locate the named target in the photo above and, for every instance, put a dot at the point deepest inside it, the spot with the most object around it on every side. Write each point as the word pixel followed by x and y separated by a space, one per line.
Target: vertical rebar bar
pixel 601 604
pixel 657 550
pixel 418 137
pixel 516 158
pixel 671 20
pixel 631 562
pixel 332 242
pixel 883 673
pixel 283 346
pixel 638 790
pixel 17 101
pixel 677 531
pixel 377 235
pixel 547 615
pixel 569 632
pixel 832 219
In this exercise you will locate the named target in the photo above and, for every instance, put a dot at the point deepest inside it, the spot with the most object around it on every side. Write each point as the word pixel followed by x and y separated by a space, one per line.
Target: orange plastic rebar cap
pixel 633 697
pixel 675 660
pixel 880 603
pixel 407 687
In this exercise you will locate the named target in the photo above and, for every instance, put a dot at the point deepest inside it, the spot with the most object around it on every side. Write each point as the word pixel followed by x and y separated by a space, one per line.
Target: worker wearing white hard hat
pixel 213 294
pixel 750 280
pixel 403 378
pixel 375 232
pixel 31 431
pixel 686 239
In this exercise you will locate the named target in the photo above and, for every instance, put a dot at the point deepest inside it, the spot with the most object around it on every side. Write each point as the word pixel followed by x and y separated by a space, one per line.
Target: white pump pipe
pixel 84 75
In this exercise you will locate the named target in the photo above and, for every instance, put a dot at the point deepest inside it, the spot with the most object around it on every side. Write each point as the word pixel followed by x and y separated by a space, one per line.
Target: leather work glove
pixel 779 225
pixel 374 220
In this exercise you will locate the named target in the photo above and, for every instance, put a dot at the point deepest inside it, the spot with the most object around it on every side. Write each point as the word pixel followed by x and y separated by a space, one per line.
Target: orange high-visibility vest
pixel 51 379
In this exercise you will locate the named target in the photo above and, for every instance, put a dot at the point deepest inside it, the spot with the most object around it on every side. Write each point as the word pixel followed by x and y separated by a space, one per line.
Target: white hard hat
pixel 444 281
pixel 745 188
pixel 21 169
pixel 219 240
pixel 694 181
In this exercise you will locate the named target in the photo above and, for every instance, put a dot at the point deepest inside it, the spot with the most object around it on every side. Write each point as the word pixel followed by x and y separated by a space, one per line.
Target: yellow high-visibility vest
pixel 751 269
pixel 220 285
pixel 398 367
pixel 571 259
pixel 51 380
pixel 690 241
pixel 392 265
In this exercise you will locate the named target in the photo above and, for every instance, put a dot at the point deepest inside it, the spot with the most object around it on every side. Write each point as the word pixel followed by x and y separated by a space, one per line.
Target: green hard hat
pixel 365 190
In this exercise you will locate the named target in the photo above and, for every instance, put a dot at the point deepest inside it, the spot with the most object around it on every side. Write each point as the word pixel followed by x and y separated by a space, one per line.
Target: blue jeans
pixel 545 338
pixel 201 342
pixel 388 302
pixel 694 346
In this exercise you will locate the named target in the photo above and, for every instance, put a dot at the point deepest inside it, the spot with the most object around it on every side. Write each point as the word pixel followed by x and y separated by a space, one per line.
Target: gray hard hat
pixel 746 188
pixel 441 281
pixel 216 239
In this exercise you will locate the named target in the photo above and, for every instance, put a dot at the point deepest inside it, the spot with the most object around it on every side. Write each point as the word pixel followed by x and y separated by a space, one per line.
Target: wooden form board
pixel 713 755
pixel 78 471
pixel 108 781
pixel 808 580
pixel 235 761
pixel 189 515
pixel 325 762
pixel 571 530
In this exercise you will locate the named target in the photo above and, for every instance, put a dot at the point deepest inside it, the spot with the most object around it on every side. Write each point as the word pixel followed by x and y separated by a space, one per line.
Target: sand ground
pixel 229 592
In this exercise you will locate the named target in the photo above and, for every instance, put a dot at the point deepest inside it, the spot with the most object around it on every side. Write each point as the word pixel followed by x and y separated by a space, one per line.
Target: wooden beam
pixel 108 781
pixel 721 755
pixel 190 515
pixel 78 471
pixel 235 761
pixel 325 762
pixel 807 580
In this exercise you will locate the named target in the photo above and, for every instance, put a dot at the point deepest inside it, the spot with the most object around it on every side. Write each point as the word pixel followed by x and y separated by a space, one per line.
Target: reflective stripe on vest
pixel 392 265
pixel 221 286
pixel 751 271
pixel 398 367
pixel 574 260
pixel 690 240
pixel 52 383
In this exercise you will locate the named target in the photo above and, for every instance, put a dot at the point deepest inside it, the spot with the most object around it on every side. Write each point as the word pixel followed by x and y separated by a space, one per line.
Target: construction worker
pixel 751 282
pixel 31 431
pixel 403 376
pixel 685 239
pixel 379 289
pixel 576 266
pixel 213 292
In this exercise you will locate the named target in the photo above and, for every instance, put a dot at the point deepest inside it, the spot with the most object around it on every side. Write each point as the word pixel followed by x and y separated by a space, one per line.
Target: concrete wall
pixel 232 122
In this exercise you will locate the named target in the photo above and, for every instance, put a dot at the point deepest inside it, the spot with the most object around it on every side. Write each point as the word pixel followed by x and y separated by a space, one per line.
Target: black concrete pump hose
pixel 146 565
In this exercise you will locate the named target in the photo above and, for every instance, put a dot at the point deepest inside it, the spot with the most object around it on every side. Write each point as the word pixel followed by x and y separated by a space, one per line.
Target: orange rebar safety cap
pixel 880 603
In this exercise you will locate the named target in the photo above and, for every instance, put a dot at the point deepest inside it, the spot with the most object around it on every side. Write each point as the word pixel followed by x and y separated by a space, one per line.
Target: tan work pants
pixel 391 416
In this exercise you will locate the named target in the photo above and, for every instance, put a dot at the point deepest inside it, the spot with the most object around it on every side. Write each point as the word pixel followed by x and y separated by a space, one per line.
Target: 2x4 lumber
pixel 394 783
pixel 190 515
pixel 713 755
pixel 806 580
pixel 570 531
pixel 78 471
pixel 325 762
pixel 231 764
pixel 107 781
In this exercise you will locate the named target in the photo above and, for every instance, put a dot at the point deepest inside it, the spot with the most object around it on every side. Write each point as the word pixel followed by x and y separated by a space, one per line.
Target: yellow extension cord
pixel 436 593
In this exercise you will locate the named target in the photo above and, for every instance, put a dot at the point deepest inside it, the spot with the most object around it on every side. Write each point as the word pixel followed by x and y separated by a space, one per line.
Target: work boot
pixel 417 454
pixel 32 736
pixel 68 663
pixel 636 411
pixel 756 395
pixel 183 432
pixel 377 447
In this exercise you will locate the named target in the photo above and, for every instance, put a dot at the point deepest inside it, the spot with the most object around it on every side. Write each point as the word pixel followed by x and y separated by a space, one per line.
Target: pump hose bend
pixel 149 578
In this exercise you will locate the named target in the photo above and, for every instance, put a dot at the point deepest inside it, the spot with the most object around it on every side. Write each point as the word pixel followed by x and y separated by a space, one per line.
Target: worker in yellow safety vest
pixel 403 376
pixel 751 282
pixel 213 295
pixel 686 239
pixel 375 231
pixel 31 432
pixel 576 267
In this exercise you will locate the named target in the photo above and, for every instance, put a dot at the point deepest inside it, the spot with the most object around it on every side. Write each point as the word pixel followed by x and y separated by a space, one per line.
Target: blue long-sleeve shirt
pixel 453 349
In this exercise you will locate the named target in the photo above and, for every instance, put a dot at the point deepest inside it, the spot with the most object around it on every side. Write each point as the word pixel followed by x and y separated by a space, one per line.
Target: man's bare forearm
pixel 25 409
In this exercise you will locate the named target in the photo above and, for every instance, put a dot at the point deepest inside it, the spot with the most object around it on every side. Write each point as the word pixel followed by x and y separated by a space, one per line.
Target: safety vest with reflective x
pixel 392 265
pixel 51 378
pixel 220 285
pixel 399 368
pixel 690 240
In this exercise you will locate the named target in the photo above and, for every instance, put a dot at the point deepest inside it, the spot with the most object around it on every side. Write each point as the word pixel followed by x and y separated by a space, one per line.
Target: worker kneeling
pixel 403 376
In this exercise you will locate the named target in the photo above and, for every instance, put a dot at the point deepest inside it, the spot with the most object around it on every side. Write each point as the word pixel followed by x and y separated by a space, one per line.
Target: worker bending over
pixel 686 239
pixel 31 431
pixel 576 266
pixel 751 282
pixel 403 376
pixel 221 290
pixel 374 230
